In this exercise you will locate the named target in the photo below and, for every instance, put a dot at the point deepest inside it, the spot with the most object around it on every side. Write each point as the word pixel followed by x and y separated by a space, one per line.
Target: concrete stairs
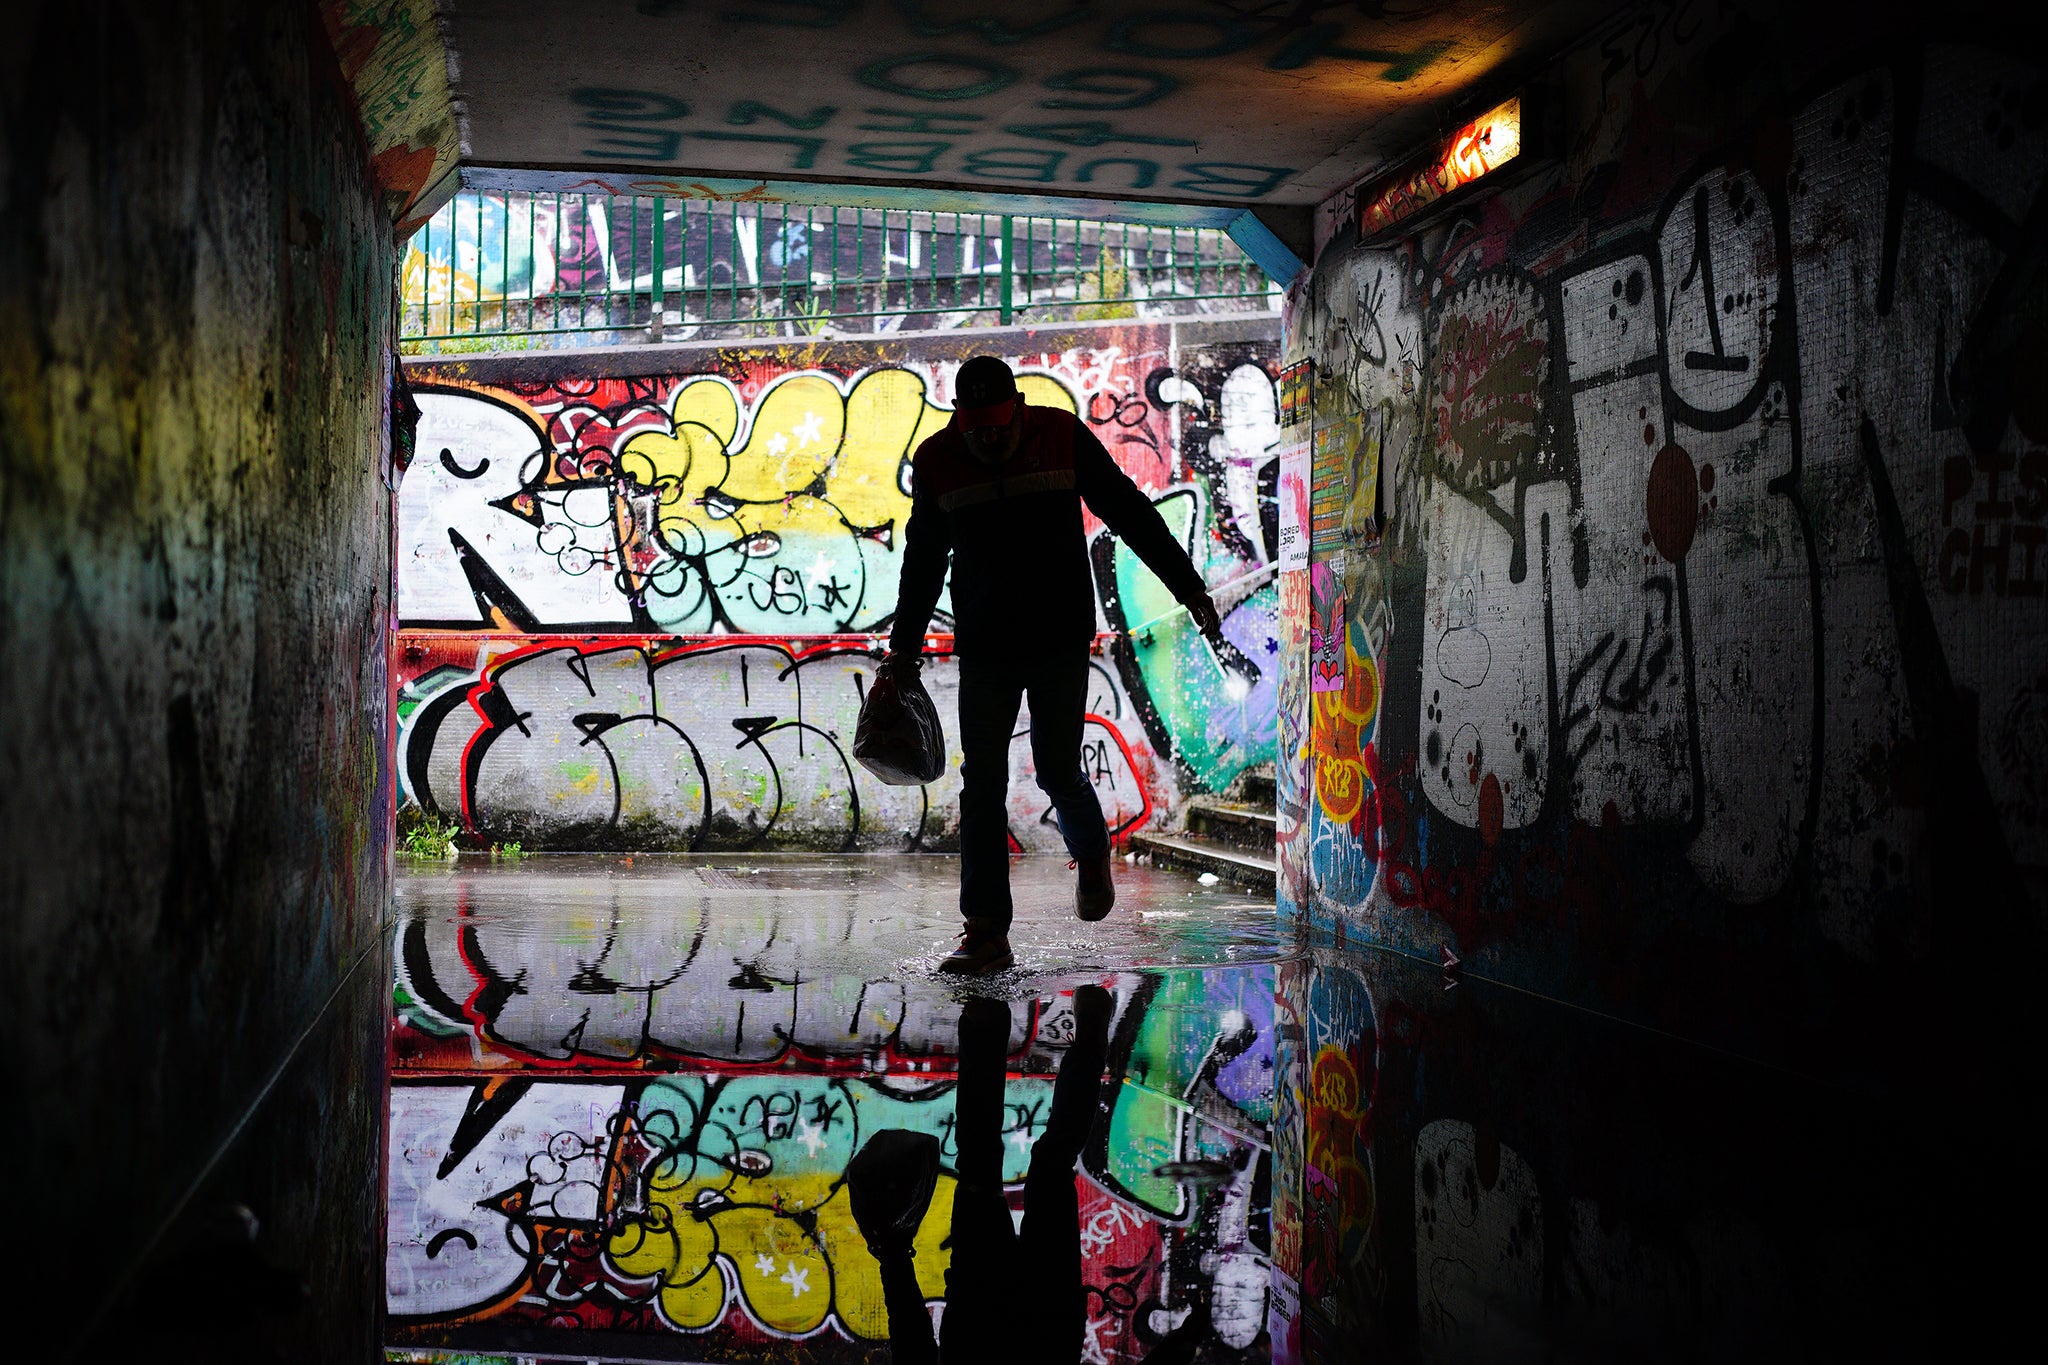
pixel 1231 836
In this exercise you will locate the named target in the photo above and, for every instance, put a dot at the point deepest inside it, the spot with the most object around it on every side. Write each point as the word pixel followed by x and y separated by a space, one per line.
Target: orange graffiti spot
pixel 1339 719
pixel 1339 1122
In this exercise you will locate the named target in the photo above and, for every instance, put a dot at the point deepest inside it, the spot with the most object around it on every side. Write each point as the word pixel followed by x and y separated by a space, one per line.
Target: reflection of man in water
pixel 1013 1293
pixel 999 492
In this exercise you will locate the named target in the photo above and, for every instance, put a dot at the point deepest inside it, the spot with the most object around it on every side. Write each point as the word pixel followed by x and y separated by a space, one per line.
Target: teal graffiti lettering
pixel 1165 33
pixel 1118 89
pixel 1014 163
pixel 1141 178
pixel 904 158
pixel 621 114
pixel 806 147
pixel 1214 177
pixel 883 75
pixel 753 111
pixel 1317 40
pixel 907 122
pixel 638 145
pixel 611 107
pixel 1090 133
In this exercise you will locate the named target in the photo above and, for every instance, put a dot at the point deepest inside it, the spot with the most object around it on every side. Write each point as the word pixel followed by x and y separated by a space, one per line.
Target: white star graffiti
pixel 798 1279
pixel 778 443
pixel 810 1135
pixel 809 430
pixel 764 1263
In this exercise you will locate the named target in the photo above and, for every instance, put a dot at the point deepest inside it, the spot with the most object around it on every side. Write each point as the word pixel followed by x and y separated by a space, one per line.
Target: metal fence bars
pixel 521 264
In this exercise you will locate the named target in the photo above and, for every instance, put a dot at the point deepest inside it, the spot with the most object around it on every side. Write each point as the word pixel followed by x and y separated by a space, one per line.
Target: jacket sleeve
pixel 927 549
pixel 1126 510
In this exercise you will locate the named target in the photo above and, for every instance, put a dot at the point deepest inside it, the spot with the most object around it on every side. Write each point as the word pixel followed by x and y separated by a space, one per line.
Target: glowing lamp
pixel 1480 147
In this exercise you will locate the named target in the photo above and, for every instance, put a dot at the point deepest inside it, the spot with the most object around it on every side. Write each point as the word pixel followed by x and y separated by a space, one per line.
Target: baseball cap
pixel 985 393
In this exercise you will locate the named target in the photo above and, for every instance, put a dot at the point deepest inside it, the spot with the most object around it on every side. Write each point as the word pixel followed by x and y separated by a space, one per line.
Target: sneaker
pixel 982 951
pixel 1094 893
pixel 889 1186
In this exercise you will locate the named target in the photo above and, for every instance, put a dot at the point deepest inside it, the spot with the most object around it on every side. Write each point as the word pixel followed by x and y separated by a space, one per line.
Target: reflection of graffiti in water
pixel 711 1200
pixel 690 982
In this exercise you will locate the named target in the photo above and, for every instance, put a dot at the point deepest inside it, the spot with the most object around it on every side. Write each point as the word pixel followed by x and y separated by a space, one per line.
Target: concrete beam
pixel 1279 237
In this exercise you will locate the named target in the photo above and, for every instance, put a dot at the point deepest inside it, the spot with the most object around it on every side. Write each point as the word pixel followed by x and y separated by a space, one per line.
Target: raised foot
pixel 1094 892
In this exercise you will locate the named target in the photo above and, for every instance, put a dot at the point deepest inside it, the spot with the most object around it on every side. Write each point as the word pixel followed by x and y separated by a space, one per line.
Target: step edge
pixel 1225 854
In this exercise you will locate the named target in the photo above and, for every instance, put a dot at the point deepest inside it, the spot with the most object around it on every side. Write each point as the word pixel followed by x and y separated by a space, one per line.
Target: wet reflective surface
pixel 627 1097
pixel 626 1092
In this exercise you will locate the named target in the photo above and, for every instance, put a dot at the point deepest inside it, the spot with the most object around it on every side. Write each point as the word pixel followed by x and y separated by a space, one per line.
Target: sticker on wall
pixel 1326 485
pixel 1295 392
pixel 1344 475
pixel 1294 506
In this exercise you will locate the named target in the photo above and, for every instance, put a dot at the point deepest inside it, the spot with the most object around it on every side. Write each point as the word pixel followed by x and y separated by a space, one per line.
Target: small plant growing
pixel 423 834
pixel 1110 284
pixel 811 316
pixel 511 852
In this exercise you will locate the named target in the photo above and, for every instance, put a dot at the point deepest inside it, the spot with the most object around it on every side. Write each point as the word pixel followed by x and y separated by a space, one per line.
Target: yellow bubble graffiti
pixel 789 1243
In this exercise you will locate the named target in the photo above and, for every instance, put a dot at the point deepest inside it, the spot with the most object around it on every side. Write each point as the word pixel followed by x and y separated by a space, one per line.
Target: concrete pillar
pixel 195 529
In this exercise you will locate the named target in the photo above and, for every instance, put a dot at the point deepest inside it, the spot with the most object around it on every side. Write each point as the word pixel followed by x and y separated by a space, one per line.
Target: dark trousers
pixel 1014 1296
pixel 1056 682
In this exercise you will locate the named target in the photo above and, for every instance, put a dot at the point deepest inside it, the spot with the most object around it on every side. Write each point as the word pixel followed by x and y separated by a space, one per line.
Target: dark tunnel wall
pixel 195 530
pixel 1671 656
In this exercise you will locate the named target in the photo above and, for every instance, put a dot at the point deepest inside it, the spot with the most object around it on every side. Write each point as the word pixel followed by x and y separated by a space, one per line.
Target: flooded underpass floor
pixel 625 1094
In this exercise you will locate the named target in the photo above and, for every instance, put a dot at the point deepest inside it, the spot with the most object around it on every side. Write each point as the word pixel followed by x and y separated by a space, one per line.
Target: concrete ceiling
pixel 950 103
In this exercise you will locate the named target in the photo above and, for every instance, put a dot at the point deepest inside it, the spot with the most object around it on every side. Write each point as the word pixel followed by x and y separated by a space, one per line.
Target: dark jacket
pixel 1020 564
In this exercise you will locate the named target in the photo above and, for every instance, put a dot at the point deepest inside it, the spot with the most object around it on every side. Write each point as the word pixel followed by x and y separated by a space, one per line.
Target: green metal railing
pixel 518 264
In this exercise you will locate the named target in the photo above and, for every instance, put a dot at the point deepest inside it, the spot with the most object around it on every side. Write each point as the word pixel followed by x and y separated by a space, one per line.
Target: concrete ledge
pixel 852 352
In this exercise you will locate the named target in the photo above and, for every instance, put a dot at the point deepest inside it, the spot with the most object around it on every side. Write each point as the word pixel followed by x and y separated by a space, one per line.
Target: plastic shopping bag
pixel 898 737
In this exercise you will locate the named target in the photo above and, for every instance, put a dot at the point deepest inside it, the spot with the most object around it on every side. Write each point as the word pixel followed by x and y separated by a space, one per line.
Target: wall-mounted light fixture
pixel 1479 148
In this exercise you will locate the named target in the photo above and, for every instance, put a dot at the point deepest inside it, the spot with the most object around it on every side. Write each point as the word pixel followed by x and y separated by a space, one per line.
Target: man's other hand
pixel 1203 610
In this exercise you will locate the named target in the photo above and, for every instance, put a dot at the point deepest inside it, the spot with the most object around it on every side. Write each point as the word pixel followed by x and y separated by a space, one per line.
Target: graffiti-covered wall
pixel 1670 642
pixel 641 592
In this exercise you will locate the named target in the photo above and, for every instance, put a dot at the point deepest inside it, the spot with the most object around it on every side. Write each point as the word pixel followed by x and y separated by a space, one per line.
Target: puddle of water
pixel 624 1101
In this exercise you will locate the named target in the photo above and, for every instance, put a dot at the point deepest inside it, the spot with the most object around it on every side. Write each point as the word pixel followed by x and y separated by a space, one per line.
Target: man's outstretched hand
pixel 1203 610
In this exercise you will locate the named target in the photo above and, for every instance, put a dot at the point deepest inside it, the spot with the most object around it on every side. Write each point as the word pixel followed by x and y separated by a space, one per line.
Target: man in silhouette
pixel 1014 1294
pixel 999 492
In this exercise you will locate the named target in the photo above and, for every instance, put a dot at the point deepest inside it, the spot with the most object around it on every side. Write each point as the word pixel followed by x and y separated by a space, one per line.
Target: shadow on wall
pixel 766 499
pixel 1480 1175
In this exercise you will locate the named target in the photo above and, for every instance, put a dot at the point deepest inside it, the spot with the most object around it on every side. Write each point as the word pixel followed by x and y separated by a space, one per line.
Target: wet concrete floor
pixel 626 1093
pixel 627 1096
